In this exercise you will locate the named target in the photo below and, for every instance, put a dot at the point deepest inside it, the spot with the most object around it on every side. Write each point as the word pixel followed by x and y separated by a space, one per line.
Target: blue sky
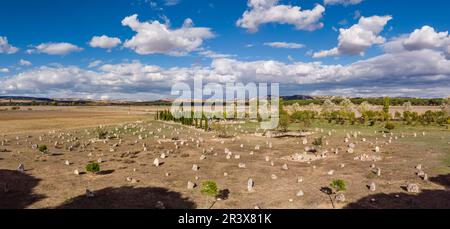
pixel 27 67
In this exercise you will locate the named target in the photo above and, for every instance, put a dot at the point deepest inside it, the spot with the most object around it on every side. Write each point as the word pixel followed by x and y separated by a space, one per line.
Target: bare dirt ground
pixel 128 178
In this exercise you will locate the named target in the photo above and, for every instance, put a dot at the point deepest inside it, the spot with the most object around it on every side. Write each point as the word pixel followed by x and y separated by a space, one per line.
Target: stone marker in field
pixel 190 185
pixel 285 167
pixel 274 177
pixel 378 172
pixel 76 172
pixel 372 187
pixel 250 185
pixel 412 188
pixel 377 149
pixel 300 193
pixel 340 197
pixel 241 166
pixel 21 168
pixel 195 167
pixel 156 162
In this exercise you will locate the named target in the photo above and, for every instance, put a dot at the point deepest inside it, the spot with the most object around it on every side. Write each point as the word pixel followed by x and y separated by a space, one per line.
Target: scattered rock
pixel 21 168
pixel 412 188
pixel 340 197
pixel 190 185
pixel 250 185
pixel 156 162
pixel 372 187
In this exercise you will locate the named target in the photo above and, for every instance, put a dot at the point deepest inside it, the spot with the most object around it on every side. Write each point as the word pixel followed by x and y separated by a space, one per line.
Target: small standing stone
pixel 250 185
pixel 340 197
pixel 372 187
pixel 284 167
pixel 21 168
pixel 300 193
pixel 156 162
pixel 195 167
pixel 413 188
pixel 190 185
pixel 378 172
pixel 76 172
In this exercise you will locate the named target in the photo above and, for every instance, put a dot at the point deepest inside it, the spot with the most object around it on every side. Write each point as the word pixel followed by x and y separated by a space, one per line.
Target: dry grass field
pixel 129 178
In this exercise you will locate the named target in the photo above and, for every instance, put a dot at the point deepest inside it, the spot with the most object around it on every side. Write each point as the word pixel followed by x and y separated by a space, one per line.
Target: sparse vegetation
pixel 209 188
pixel 42 148
pixel 318 141
pixel 93 167
pixel 338 185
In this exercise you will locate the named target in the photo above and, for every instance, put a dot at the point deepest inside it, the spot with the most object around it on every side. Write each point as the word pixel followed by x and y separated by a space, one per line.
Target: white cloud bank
pixel 416 65
pixel 356 39
pixel 155 38
pixel 268 11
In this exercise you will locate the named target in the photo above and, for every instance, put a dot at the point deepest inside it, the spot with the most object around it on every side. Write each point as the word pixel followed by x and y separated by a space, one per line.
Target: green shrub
pixel 101 134
pixel 338 185
pixel 210 188
pixel 318 141
pixel 389 126
pixel 93 167
pixel 42 148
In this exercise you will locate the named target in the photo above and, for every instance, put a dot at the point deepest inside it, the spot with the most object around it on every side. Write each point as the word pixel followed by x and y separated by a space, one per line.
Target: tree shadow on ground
pixel 16 190
pixel 426 199
pixel 130 198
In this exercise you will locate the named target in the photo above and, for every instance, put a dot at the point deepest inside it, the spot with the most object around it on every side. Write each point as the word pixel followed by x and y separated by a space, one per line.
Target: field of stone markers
pixel 121 157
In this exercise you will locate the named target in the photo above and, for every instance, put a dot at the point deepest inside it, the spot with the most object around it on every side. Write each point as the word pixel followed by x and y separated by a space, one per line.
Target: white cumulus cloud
pixel 342 2
pixel 284 45
pixel 356 39
pixel 52 48
pixel 5 47
pixel 4 70
pixel 23 62
pixel 269 11
pixel 104 42
pixel 155 38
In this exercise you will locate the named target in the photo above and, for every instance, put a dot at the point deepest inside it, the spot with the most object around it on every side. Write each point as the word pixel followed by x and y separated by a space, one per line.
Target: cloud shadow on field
pixel 16 190
pixel 426 199
pixel 130 198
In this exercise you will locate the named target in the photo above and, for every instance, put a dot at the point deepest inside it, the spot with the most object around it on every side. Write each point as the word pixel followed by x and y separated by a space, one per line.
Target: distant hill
pixel 288 100
pixel 296 97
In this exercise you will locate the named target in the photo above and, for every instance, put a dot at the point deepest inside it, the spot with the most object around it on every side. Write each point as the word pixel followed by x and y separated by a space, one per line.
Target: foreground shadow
pixel 130 198
pixel 426 199
pixel 16 190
